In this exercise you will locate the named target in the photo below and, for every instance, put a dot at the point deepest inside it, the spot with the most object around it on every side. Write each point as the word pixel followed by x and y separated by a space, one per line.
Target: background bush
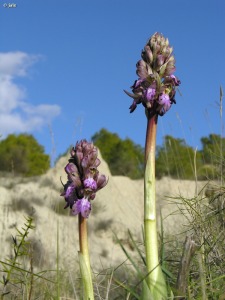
pixel 23 155
pixel 124 157
pixel 174 158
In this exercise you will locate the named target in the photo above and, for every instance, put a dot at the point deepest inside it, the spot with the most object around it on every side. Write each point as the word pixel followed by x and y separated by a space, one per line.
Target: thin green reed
pixel 155 89
pixel 221 136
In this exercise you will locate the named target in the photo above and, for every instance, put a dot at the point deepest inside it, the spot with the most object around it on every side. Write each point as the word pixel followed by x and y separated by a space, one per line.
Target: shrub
pixel 124 157
pixel 22 154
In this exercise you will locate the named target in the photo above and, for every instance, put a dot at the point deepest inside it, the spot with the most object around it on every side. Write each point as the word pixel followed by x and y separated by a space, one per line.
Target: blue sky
pixel 64 65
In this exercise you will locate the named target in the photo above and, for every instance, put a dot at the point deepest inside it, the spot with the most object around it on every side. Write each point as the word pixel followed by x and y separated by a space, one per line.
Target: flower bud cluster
pixel 156 86
pixel 83 177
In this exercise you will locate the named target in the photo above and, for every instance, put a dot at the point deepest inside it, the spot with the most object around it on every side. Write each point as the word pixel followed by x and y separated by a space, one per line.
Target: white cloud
pixel 16 114
pixel 16 63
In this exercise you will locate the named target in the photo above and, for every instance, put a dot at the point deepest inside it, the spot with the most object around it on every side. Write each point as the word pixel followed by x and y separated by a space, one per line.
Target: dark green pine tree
pixel 124 157
pixel 176 159
pixel 23 155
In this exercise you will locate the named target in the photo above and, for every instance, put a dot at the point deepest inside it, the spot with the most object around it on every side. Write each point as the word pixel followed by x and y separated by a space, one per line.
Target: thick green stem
pixel 85 260
pixel 150 202
pixel 155 279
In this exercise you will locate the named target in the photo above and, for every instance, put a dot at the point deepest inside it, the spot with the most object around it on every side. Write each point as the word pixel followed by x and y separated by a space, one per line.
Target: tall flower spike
pixel 156 86
pixel 83 178
pixel 83 181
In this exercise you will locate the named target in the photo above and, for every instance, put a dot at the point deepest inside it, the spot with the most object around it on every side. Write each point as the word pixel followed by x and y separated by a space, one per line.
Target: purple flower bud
pixel 69 191
pixel 93 160
pixel 71 170
pixel 77 153
pixel 73 174
pixel 101 182
pixel 142 69
pixel 175 80
pixel 133 106
pixel 170 67
pixel 82 206
pixel 69 194
pixel 96 163
pixel 147 54
pixel 92 196
pixel 160 61
pixel 137 83
pixel 88 148
pixel 90 183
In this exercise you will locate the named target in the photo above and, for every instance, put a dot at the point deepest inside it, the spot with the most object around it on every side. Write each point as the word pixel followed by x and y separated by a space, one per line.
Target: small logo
pixel 9 5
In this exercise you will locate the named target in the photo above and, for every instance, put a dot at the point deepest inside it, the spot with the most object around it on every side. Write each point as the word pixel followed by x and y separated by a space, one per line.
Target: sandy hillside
pixel 117 207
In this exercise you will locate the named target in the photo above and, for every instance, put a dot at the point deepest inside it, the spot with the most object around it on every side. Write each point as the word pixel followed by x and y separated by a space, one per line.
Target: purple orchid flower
pixel 91 184
pixel 164 102
pixel 82 206
pixel 155 71
pixel 83 178
pixel 150 94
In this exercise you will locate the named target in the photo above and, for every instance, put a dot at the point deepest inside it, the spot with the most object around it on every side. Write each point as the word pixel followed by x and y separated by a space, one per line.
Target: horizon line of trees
pixel 174 158
pixel 23 155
